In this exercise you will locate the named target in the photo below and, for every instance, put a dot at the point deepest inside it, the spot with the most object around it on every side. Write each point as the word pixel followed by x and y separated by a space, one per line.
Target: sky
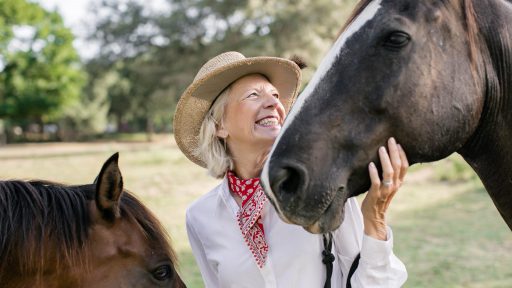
pixel 75 15
pixel 73 11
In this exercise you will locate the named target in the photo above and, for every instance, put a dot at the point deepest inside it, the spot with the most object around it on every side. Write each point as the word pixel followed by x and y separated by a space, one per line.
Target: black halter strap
pixel 353 269
pixel 328 259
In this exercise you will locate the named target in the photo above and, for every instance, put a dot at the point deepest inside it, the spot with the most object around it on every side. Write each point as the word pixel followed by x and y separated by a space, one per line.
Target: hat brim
pixel 197 99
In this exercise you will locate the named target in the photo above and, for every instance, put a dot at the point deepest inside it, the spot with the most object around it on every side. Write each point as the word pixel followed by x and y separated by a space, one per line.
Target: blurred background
pixel 84 69
pixel 82 79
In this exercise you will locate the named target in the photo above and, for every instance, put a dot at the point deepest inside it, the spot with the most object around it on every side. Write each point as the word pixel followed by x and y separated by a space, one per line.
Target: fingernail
pixel 392 140
pixel 382 149
pixel 372 165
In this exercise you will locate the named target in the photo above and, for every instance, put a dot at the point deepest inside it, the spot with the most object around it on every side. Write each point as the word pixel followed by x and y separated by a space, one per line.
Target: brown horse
pixel 96 235
pixel 436 74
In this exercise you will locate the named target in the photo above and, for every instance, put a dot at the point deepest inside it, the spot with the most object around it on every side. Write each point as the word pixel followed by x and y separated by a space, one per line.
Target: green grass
pixel 447 231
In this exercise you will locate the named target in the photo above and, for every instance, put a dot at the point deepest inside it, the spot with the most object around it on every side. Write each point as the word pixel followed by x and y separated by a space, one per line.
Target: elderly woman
pixel 227 121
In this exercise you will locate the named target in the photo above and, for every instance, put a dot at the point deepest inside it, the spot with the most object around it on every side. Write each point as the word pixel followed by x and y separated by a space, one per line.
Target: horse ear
pixel 299 61
pixel 109 187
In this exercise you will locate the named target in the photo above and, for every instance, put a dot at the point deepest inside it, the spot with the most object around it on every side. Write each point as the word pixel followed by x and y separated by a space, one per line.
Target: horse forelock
pixel 41 221
pixel 32 213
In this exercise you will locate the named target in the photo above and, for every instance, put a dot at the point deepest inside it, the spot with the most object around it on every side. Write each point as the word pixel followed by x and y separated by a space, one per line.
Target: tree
pixel 162 51
pixel 41 71
pixel 89 115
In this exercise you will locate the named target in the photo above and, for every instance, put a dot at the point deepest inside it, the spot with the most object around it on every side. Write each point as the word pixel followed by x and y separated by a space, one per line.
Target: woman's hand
pixel 376 202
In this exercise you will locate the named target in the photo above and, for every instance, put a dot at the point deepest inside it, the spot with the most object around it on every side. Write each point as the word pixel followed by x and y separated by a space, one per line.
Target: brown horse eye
pixel 162 273
pixel 397 40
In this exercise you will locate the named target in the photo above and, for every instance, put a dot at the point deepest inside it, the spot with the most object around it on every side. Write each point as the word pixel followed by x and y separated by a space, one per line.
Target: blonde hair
pixel 213 149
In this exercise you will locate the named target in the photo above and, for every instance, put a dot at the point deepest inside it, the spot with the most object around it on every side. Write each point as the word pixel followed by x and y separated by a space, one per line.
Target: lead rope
pixel 328 258
pixel 353 269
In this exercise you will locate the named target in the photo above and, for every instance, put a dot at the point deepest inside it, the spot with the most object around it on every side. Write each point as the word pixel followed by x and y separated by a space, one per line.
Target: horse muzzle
pixel 315 207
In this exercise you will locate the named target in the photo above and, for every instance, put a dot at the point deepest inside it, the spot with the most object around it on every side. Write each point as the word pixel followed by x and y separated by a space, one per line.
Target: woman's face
pixel 254 114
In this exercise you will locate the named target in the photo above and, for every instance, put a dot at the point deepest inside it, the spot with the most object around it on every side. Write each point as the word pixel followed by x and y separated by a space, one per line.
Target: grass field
pixel 447 231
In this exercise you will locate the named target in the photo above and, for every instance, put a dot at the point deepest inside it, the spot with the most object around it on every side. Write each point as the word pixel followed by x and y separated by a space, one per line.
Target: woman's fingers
pixel 376 202
pixel 394 167
pixel 374 176
pixel 387 168
pixel 405 163
pixel 394 155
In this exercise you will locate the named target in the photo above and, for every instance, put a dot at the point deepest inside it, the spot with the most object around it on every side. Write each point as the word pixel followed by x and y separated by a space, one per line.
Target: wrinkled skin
pixel 407 72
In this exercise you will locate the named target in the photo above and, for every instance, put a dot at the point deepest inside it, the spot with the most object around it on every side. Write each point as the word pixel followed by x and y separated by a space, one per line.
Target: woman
pixel 227 121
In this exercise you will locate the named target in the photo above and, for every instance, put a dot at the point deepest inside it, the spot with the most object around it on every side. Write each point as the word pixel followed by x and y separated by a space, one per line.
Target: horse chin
pixel 331 218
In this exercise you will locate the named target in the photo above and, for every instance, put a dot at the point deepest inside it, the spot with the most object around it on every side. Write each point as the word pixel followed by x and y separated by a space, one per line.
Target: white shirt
pixel 294 257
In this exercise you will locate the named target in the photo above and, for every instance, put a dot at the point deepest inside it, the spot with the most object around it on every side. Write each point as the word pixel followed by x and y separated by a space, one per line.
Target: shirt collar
pixel 228 199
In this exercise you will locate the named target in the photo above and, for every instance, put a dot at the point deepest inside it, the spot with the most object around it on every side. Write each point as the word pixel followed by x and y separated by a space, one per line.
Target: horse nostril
pixel 288 180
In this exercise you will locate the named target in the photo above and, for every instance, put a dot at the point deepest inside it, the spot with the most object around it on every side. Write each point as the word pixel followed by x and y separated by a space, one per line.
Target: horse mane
pixel 469 17
pixel 41 221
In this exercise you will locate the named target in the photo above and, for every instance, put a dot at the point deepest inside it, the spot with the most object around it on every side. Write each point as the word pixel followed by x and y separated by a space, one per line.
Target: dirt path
pixel 46 150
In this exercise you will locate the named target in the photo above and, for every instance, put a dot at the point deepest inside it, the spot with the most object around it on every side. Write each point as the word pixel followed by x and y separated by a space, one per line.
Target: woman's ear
pixel 222 133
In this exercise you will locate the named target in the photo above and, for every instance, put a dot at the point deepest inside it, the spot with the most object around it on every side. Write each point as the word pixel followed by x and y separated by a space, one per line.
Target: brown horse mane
pixel 41 220
pixel 469 16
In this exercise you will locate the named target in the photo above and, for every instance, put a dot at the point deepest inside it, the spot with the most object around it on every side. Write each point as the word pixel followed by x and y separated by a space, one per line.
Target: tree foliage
pixel 161 51
pixel 40 69
pixel 147 56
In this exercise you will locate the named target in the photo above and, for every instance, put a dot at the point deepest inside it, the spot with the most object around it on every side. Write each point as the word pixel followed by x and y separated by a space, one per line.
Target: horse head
pixel 96 235
pixel 400 68
pixel 128 246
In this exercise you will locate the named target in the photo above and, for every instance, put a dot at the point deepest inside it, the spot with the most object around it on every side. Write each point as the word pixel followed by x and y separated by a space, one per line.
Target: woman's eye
pixel 162 273
pixel 253 94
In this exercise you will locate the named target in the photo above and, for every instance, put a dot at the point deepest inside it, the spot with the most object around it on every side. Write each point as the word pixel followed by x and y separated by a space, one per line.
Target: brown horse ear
pixel 109 187
pixel 299 61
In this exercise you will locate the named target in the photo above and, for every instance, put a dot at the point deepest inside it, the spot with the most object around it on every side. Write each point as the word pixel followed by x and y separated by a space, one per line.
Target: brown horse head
pixel 96 235
pixel 416 70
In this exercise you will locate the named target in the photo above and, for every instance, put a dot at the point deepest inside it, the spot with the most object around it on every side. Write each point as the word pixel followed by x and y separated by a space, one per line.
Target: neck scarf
pixel 249 215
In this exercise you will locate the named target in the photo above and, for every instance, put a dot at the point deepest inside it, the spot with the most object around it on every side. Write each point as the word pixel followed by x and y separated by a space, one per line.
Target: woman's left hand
pixel 376 202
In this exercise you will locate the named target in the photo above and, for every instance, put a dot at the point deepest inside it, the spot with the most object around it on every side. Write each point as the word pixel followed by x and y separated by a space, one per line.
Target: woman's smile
pixel 254 113
pixel 269 122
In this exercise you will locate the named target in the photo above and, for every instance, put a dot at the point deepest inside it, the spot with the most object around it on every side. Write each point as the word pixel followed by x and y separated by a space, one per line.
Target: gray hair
pixel 213 149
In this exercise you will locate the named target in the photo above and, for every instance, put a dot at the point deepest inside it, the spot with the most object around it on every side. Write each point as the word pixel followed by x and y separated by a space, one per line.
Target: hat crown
pixel 217 62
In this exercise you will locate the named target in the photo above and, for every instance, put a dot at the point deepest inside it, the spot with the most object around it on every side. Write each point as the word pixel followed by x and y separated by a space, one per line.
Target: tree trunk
pixel 150 129
pixel 3 134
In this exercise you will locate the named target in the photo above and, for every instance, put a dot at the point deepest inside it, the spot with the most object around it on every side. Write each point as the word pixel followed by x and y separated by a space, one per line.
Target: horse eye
pixel 397 40
pixel 162 273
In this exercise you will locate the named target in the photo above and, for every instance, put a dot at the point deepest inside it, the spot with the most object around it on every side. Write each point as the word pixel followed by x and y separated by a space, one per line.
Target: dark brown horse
pixel 96 235
pixel 436 74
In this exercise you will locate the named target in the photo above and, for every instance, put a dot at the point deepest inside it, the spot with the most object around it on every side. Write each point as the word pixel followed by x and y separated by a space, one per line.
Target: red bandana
pixel 253 200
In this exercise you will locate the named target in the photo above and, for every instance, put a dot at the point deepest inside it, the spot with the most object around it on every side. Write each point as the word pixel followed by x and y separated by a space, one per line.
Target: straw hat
pixel 217 74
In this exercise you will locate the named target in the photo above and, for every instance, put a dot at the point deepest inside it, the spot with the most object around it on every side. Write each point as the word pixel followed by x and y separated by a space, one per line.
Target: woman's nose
pixel 271 101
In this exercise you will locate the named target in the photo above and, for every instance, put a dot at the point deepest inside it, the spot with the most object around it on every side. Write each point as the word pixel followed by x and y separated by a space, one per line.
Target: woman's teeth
pixel 268 122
